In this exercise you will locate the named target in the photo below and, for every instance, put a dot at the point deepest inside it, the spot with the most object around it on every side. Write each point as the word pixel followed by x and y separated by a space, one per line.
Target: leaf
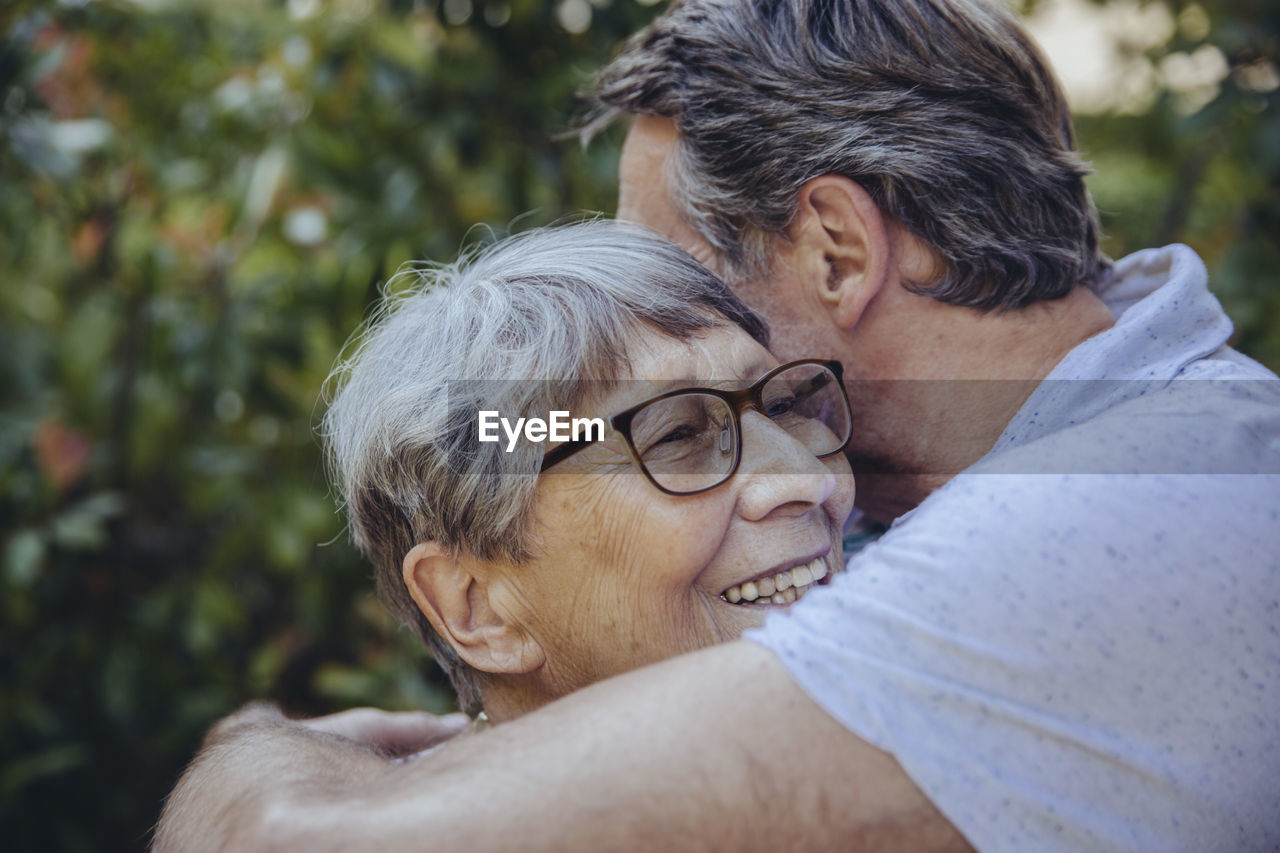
pixel 22 557
pixel 83 526
pixel 54 761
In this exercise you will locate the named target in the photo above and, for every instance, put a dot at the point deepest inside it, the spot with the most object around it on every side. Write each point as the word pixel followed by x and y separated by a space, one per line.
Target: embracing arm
pixel 256 760
pixel 714 750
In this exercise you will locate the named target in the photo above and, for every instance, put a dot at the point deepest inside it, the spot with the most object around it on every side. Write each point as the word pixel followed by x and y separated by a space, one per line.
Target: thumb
pixel 392 733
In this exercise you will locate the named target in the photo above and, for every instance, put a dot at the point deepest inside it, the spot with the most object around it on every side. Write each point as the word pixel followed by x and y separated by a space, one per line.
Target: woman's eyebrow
pixel 747 376
pixel 758 368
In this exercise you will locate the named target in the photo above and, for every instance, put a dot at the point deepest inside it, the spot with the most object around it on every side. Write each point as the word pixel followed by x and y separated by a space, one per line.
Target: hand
pixel 393 734
pixel 255 763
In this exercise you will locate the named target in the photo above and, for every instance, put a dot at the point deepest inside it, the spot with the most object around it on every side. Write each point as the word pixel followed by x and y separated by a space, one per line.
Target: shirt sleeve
pixel 1066 662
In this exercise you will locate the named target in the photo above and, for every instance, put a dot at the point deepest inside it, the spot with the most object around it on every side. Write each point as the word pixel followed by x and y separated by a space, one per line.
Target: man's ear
pixel 842 241
pixel 457 605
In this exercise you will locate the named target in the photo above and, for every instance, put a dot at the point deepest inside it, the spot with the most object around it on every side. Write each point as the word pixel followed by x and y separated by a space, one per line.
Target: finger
pixel 254 712
pixel 409 732
pixel 392 733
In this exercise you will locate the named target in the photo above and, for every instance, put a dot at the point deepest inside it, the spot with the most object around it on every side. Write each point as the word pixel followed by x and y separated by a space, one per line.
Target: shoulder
pixel 1070 630
pixel 1081 528
pixel 1185 426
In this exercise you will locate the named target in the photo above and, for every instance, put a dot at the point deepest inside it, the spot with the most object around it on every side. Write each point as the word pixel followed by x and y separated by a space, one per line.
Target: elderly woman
pixel 711 489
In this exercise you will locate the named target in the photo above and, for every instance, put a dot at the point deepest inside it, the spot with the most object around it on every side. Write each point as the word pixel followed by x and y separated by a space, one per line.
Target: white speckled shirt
pixel 1075 644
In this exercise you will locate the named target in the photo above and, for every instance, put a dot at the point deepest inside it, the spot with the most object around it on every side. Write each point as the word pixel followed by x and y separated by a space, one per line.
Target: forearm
pixel 717 750
pixel 255 767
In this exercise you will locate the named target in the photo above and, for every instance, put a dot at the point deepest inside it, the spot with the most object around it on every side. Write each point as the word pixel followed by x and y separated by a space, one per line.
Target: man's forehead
pixel 644 195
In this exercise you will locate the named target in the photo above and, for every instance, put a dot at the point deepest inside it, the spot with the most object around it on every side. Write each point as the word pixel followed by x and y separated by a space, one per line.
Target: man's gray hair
pixel 943 111
pixel 546 312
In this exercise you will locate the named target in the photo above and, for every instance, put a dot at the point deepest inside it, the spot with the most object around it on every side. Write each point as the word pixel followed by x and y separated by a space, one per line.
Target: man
pixel 1071 645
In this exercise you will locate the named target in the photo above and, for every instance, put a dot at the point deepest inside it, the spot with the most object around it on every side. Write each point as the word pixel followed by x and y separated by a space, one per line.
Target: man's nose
pixel 777 472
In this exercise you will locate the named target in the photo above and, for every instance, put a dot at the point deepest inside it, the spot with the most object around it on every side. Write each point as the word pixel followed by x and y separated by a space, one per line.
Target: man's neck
pixel 955 379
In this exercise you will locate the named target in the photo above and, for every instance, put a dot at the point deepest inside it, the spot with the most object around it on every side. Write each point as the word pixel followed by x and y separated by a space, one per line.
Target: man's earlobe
pixel 842 232
pixel 457 605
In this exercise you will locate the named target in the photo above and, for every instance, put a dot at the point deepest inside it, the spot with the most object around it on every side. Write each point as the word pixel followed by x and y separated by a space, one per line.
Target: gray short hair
pixel 943 111
pixel 554 304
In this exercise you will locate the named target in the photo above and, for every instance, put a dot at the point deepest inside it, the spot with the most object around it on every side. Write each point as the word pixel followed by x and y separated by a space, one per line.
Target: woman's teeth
pixel 782 588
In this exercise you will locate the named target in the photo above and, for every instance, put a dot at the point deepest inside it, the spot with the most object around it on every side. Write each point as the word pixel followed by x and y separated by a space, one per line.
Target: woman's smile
pixel 782 587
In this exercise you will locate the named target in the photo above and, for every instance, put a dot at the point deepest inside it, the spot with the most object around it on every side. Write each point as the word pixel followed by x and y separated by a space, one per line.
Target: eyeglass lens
pixel 807 401
pixel 689 442
pixel 686 442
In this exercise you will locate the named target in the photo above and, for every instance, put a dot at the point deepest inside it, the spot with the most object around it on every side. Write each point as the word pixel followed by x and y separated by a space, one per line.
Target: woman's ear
pixel 457 605
pixel 844 244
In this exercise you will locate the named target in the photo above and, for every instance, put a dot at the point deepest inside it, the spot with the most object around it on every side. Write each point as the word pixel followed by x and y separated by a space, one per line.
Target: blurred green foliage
pixel 198 202
pixel 1202 167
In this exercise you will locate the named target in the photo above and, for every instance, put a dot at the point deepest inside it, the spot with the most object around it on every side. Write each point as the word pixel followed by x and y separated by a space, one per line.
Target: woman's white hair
pixel 517 327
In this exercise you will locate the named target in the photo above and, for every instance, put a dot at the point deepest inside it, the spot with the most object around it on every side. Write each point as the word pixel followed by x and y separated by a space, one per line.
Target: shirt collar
pixel 1165 318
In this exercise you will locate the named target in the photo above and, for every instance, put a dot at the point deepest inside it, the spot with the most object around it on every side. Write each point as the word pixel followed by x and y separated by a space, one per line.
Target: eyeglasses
pixel 689 440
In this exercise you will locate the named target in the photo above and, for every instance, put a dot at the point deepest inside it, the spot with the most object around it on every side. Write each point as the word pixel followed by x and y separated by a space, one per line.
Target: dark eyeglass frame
pixel 738 402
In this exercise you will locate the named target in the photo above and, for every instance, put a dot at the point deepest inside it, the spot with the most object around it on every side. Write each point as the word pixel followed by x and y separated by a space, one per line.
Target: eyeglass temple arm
pixel 813 385
pixel 561 452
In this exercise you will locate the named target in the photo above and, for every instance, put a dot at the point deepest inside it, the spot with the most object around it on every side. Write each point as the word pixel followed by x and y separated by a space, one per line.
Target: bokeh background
pixel 198 203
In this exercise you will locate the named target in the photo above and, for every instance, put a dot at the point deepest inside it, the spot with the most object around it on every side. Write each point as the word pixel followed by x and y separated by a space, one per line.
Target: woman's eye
pixel 680 433
pixel 780 406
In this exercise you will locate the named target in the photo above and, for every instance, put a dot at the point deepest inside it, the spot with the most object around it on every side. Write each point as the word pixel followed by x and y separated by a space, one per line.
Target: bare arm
pixel 715 750
pixel 252 759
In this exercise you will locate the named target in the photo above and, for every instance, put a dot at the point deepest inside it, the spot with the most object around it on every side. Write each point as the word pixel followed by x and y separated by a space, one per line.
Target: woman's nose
pixel 778 473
